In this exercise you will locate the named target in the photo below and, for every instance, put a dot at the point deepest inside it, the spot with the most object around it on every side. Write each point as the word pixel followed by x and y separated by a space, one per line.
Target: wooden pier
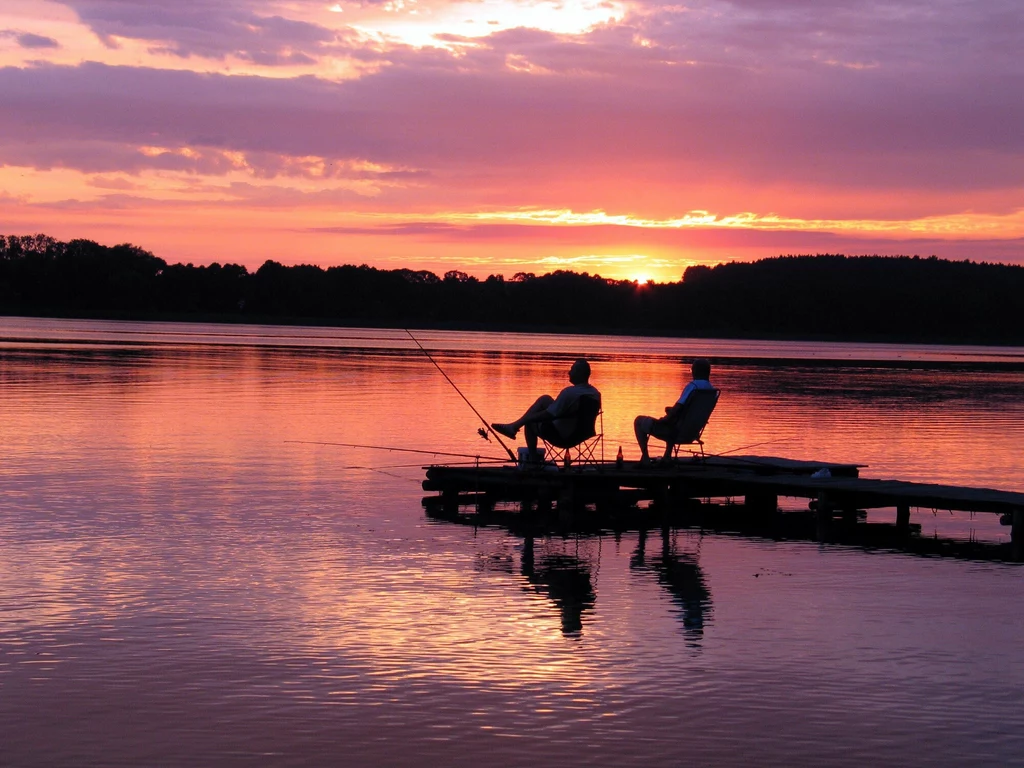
pixel 759 481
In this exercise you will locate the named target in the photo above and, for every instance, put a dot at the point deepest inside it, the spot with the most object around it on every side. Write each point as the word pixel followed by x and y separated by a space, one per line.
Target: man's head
pixel 701 368
pixel 580 372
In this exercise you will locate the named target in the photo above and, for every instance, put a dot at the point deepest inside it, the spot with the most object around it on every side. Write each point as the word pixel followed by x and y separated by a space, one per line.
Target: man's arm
pixel 672 411
pixel 563 405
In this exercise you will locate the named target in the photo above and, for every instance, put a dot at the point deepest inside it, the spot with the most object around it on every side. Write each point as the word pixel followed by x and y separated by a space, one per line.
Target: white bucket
pixel 524 457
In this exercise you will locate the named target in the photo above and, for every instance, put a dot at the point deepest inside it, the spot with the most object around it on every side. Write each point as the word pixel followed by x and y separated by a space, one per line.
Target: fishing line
pixel 754 461
pixel 401 450
pixel 497 437
pixel 420 464
pixel 390 474
pixel 752 445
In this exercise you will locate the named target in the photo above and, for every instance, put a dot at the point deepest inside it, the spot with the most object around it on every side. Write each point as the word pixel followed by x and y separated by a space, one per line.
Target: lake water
pixel 188 578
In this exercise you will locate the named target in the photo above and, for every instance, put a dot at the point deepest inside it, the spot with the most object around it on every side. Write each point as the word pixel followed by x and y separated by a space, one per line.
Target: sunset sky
pixel 631 138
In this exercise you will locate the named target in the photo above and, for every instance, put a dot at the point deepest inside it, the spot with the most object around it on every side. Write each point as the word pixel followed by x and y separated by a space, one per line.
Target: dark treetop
pixel 823 296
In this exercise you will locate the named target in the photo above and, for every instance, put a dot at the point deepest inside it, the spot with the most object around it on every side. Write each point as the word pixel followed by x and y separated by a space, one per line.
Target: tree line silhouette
pixel 822 296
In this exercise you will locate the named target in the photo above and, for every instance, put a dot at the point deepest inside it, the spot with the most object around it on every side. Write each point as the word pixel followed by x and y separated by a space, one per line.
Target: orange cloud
pixel 506 136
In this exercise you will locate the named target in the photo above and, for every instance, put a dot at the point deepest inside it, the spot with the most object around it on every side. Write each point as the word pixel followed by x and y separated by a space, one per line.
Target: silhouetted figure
pixel 563 579
pixel 555 418
pixel 644 427
pixel 684 580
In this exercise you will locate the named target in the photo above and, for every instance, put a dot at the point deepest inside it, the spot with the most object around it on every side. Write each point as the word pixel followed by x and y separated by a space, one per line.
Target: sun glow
pixel 421 24
pixel 957 224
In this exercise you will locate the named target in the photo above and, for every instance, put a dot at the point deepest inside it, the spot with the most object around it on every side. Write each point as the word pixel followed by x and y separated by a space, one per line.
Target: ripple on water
pixel 181 585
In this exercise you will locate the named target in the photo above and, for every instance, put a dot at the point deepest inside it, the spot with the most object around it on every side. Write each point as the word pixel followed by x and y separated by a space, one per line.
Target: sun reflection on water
pixel 179 532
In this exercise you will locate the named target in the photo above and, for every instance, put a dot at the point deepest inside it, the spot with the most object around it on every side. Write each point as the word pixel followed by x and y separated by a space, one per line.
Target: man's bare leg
pixel 536 412
pixel 641 428
pixel 530 435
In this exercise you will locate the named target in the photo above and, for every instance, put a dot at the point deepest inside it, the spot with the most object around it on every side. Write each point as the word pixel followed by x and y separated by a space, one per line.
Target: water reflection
pixel 680 574
pixel 564 579
pixel 554 569
pixel 41 332
pixel 187 583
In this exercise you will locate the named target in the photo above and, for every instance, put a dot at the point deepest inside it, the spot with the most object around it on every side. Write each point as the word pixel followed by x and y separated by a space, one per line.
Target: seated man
pixel 664 428
pixel 554 419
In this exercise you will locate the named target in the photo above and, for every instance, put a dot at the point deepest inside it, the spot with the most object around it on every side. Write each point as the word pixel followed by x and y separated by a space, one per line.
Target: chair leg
pixel 583 453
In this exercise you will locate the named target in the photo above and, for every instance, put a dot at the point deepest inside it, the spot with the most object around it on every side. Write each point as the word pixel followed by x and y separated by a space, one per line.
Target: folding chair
pixel 581 445
pixel 690 426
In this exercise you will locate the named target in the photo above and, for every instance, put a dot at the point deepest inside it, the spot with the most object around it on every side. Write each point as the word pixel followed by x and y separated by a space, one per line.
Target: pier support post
pixel 663 504
pixel 543 503
pixel 824 516
pixel 566 496
pixel 761 501
pixel 566 502
pixel 609 501
pixel 903 517
pixel 663 496
pixel 450 500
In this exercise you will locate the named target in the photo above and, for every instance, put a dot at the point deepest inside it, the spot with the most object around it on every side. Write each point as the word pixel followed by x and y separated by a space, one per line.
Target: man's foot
pixel 505 429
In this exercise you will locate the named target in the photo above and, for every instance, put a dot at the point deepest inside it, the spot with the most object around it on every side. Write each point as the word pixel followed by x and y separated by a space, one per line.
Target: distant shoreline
pixel 826 298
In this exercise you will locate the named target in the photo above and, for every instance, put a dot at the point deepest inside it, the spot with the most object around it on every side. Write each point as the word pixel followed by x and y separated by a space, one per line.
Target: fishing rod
pixel 487 426
pixel 401 450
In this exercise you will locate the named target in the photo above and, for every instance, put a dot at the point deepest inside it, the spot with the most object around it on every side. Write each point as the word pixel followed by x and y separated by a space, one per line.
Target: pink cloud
pixel 669 142
pixel 208 29
pixel 29 39
pixel 807 109
pixel 734 126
